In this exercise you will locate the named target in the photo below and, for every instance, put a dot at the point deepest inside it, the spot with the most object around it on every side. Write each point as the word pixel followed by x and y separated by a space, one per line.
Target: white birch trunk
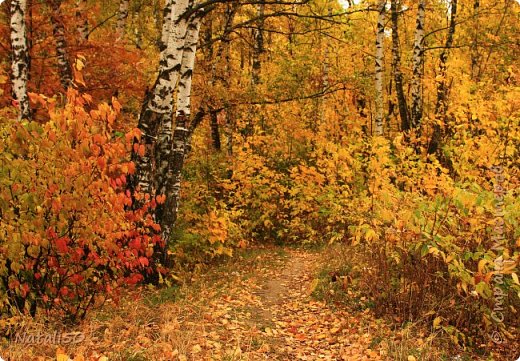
pixel 180 136
pixel 187 66
pixel 155 121
pixel 418 66
pixel 121 19
pixel 379 67
pixel 166 25
pixel 171 57
pixel 162 97
pixel 20 57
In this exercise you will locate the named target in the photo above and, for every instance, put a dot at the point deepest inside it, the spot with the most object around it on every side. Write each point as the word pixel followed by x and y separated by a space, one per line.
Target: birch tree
pixel 418 67
pixel 58 30
pixel 157 109
pixel 396 67
pixel 379 67
pixel 20 56
pixel 182 130
pixel 121 19
pixel 161 104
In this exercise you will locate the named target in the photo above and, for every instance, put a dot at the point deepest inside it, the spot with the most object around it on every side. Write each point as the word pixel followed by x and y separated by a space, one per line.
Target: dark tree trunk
pixel 62 55
pixel 215 132
pixel 396 65
pixel 418 67
pixel 441 106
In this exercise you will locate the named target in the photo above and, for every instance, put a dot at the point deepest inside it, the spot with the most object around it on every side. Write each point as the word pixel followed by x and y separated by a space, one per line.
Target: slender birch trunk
pixel 157 109
pixel 379 67
pixel 163 98
pixel 166 26
pixel 441 106
pixel 121 19
pixel 181 134
pixel 58 30
pixel 418 67
pixel 81 20
pixel 20 57
pixel 396 66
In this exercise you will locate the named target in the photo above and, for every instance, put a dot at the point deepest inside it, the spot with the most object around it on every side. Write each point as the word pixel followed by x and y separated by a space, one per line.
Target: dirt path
pixel 255 307
pixel 272 316
pixel 305 329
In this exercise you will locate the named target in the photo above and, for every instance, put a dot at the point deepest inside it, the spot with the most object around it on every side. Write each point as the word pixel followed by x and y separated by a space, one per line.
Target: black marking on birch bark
pixel 167 212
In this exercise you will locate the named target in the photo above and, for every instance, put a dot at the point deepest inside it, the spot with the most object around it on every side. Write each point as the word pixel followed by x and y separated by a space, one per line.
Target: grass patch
pixel 163 295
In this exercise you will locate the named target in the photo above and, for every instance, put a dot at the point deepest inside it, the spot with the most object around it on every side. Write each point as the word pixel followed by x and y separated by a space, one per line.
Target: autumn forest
pixel 259 180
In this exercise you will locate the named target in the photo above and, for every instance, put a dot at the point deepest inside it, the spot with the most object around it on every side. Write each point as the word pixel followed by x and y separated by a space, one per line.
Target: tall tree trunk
pixel 230 122
pixel 82 20
pixel 121 19
pixel 441 106
pixel 475 56
pixel 172 69
pixel 58 30
pixel 215 131
pixel 258 46
pixel 396 66
pixel 181 134
pixel 157 109
pixel 325 76
pixel 166 27
pixel 379 67
pixel 418 67
pixel 20 57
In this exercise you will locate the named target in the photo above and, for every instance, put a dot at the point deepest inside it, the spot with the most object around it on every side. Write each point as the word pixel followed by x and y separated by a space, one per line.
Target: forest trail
pixel 303 328
pixel 254 307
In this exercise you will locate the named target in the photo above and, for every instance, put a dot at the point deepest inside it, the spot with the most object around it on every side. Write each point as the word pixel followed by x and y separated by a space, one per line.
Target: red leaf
pixel 61 245
pixel 143 261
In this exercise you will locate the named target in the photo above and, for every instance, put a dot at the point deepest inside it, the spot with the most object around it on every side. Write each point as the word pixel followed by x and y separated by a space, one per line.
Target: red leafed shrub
pixel 67 236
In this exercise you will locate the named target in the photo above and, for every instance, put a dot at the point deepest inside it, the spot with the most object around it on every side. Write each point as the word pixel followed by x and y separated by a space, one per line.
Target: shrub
pixel 67 238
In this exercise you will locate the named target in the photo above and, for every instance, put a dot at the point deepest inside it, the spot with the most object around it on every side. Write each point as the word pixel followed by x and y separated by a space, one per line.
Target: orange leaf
pixel 141 150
